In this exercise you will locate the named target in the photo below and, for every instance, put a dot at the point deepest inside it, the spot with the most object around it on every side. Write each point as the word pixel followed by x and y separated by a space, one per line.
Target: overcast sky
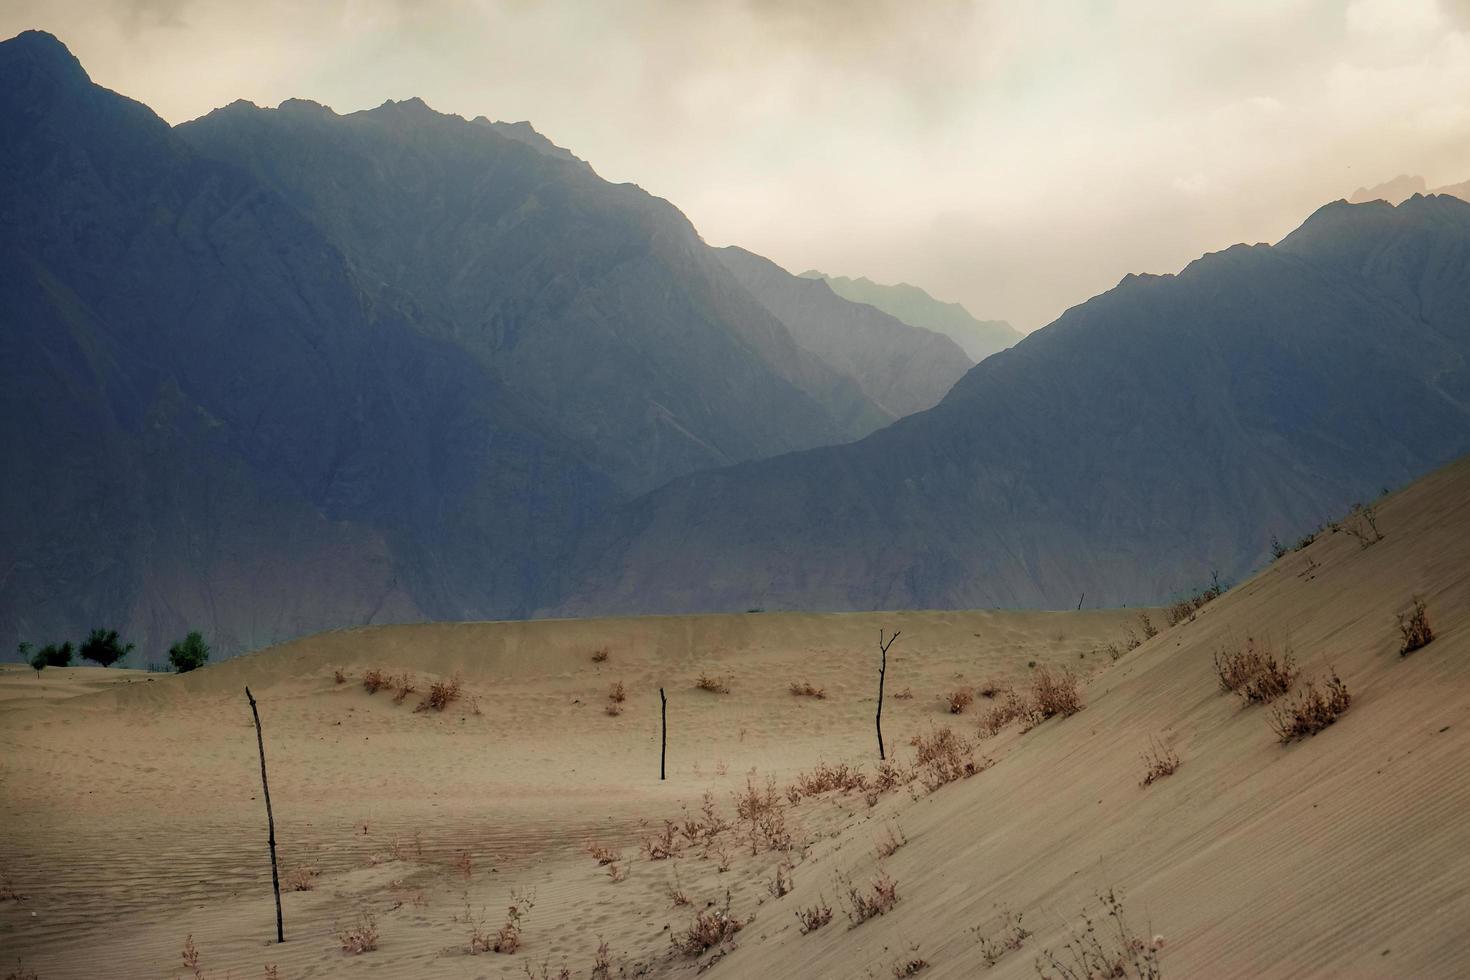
pixel 1016 156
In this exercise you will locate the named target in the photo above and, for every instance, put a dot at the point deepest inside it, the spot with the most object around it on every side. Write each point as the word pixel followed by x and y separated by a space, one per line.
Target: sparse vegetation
pixel 361 937
pixel 1159 761
pixel 441 695
pixel 1362 523
pixel 601 854
pixel 910 967
pixel 888 845
pixel 464 863
pixel 710 928
pixel 57 654
pixel 814 917
pixel 780 886
pixel 1278 550
pixel 1010 936
pixel 960 699
pixel 617 693
pixel 1054 693
pixel 190 956
pixel 190 653
pixel 508 938
pixel 402 686
pixel 713 684
pixel 1011 708
pixel 1092 952
pixel 1254 673
pixel 103 647
pixel 1311 710
pixel 877 899
pixel 302 878
pixel 806 689
pixel 374 680
pixel 1184 610
pixel 1147 625
pixel 21 973
pixel 1414 625
pixel 942 757
pixel 338 676
pixel 991 688
pixel 599 656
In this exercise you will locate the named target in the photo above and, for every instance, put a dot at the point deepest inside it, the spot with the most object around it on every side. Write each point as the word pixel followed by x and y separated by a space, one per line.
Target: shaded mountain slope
pixel 1149 436
pixel 596 303
pixel 912 305
pixel 901 369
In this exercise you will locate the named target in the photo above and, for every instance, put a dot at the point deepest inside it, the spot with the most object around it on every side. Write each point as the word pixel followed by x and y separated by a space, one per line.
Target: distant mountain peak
pixel 305 105
pixel 46 52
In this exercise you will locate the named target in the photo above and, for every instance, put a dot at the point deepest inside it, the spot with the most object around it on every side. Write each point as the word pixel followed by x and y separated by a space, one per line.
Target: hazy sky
pixel 1016 156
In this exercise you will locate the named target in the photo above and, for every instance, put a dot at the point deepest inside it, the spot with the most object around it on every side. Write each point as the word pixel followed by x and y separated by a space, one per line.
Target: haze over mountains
pixel 1403 187
pixel 280 370
pixel 912 305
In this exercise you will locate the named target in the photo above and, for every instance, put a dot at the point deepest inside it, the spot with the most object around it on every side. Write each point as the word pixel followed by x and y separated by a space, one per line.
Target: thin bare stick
pixel 270 819
pixel 882 672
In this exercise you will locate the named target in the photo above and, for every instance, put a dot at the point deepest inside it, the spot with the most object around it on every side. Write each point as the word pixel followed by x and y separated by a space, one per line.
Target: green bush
pixel 103 647
pixel 57 655
pixel 189 654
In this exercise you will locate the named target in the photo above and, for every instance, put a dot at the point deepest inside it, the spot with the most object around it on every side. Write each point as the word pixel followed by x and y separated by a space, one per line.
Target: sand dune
pixel 133 818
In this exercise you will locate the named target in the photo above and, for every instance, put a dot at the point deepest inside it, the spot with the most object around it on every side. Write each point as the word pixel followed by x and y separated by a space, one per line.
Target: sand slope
pixel 133 817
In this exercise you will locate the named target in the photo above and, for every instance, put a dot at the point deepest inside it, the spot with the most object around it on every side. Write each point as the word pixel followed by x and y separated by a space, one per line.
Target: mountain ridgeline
pixel 280 370
pixel 1159 432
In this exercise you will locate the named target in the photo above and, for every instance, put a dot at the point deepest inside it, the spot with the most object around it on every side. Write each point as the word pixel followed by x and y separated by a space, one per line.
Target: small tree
pixel 103 647
pixel 189 654
pixel 57 655
pixel 37 660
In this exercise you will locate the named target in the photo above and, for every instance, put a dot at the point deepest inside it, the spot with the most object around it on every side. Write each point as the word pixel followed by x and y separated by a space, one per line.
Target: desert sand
pixel 133 818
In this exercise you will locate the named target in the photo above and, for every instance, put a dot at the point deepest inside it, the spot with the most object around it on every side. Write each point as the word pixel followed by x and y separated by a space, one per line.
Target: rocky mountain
pixel 1158 432
pixel 899 368
pixel 912 305
pixel 282 370
pixel 1403 187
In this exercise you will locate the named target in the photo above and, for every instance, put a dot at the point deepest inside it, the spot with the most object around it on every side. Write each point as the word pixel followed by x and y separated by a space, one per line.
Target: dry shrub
pixel 806 689
pixel 8 891
pixel 1184 610
pixel 1054 693
pixel 613 708
pixel 338 676
pixel 941 757
pixel 508 939
pixel 760 810
pixel 1414 625
pixel 616 873
pixel 441 695
pixel 878 899
pixel 374 680
pixel 888 845
pixel 1010 937
pixel 617 693
pixel 959 699
pixel 1159 761
pixel 664 845
pixel 781 884
pixel 905 695
pixel 602 964
pixel 190 954
pixel 402 686
pixel 599 656
pixel 1012 708
pixel 362 937
pixel 1254 673
pixel 675 891
pixel 21 973
pixel 271 973
pixel 602 855
pixel 1147 625
pixel 710 928
pixel 302 878
pixel 1311 710
pixel 825 778
pixel 1093 952
pixel 910 967
pixel 464 863
pixel 991 689
pixel 1362 523
pixel 889 774
pixel 715 685
pixel 814 917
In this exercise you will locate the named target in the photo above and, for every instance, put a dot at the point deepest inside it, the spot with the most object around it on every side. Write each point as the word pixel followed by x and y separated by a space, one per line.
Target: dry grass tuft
pixel 905 695
pixel 910 967
pixel 959 699
pixel 1311 710
pixel 1414 625
pixel 599 656
pixel 1254 673
pixel 1147 625
pixel 780 886
pixel 1011 937
pixel 302 878
pixel 374 680
pixel 464 863
pixel 402 686
pixel 1011 708
pixel 888 845
pixel 664 845
pixel 21 973
pixel 715 685
pixel 362 937
pixel 339 676
pixel 878 899
pixel 190 954
pixel 942 757
pixel 814 917
pixel 806 689
pixel 1362 523
pixel 710 928
pixel 1092 952
pixel 1184 610
pixel 441 695
pixel 1054 693
pixel 508 939
pixel 8 891
pixel 613 708
pixel 602 855
pixel 992 689
pixel 825 778
pixel 617 693
pixel 1159 761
